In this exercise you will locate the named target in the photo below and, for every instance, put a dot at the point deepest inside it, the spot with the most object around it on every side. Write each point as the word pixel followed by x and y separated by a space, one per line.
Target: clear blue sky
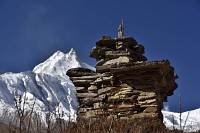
pixel 31 30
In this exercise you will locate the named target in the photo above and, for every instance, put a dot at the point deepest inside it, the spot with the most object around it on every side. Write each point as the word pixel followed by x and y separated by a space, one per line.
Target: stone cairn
pixel 125 85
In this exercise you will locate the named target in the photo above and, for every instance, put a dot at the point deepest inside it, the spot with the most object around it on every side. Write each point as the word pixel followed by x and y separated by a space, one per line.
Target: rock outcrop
pixel 125 85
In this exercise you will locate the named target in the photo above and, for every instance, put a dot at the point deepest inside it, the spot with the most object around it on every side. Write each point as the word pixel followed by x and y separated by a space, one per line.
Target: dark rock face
pixel 125 85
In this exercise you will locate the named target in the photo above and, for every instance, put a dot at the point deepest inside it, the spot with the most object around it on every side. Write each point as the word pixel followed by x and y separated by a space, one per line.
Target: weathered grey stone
pixel 146 96
pixel 81 83
pixel 84 109
pixel 98 105
pixel 105 90
pixel 130 100
pixel 126 89
pixel 87 95
pixel 90 114
pixel 119 60
pixel 117 110
pixel 151 110
pixel 92 88
pixel 75 72
pixel 103 79
pixel 116 54
pixel 124 118
pixel 90 99
pixel 100 62
pixel 81 89
pixel 144 115
pixel 102 96
pixel 148 105
pixel 90 77
pixel 149 94
pixel 151 101
pixel 126 106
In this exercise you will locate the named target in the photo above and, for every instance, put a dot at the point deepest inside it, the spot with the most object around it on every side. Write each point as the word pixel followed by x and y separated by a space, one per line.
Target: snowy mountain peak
pixel 59 63
pixel 58 53
pixel 72 52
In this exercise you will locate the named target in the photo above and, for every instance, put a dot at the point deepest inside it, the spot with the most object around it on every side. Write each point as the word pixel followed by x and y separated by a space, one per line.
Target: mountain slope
pixel 47 85
pixel 190 120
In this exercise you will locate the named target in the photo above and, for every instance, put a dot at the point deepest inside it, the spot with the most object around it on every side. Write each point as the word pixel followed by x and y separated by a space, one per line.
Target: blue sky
pixel 31 30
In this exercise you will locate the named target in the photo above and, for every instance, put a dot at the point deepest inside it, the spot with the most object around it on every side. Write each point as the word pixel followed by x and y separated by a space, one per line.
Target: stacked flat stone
pixel 125 85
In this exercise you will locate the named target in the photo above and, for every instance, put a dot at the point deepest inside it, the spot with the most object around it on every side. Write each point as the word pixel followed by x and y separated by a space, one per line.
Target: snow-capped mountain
pixel 190 120
pixel 59 63
pixel 50 89
pixel 47 85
